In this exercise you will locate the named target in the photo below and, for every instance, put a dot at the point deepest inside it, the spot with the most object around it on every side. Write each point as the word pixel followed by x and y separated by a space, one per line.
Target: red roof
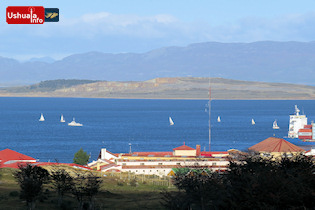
pixel 8 154
pixel 210 154
pixel 11 159
pixel 183 147
pixel 273 144
pixel 154 154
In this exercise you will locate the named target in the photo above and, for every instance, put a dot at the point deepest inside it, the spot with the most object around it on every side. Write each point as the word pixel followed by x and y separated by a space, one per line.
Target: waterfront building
pixel 160 163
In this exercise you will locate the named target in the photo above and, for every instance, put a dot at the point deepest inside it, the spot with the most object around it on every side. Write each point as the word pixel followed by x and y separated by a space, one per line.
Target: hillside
pixel 48 86
pixel 286 62
pixel 170 88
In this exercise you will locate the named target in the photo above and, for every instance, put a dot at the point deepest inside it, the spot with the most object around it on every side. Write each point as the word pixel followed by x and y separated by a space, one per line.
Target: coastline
pixel 177 88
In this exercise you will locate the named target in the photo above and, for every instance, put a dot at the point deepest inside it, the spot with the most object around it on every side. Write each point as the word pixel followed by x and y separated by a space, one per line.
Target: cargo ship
pixel 300 133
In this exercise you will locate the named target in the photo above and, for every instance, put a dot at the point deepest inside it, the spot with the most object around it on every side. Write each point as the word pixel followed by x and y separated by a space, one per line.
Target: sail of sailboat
pixel 253 122
pixel 41 117
pixel 275 125
pixel 219 119
pixel 62 119
pixel 171 121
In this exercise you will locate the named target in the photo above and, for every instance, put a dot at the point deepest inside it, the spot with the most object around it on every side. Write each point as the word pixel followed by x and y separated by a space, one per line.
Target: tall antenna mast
pixel 209 105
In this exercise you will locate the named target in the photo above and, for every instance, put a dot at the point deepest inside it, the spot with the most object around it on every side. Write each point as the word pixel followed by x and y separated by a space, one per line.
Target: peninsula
pixel 165 88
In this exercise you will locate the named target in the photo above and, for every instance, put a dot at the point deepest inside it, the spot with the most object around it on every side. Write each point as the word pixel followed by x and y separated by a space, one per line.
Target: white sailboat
pixel 275 125
pixel 62 119
pixel 74 123
pixel 253 122
pixel 41 117
pixel 219 119
pixel 171 121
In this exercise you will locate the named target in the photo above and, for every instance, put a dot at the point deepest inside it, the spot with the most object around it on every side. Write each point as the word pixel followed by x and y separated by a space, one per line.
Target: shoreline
pixel 161 98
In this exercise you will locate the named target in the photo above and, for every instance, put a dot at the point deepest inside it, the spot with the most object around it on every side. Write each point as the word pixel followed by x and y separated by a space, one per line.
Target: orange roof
pixel 273 144
pixel 183 147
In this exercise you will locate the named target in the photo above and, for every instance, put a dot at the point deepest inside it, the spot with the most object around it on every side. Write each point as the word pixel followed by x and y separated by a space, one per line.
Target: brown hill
pixel 176 88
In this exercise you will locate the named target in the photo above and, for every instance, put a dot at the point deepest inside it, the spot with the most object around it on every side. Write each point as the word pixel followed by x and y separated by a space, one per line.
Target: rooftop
pixel 273 144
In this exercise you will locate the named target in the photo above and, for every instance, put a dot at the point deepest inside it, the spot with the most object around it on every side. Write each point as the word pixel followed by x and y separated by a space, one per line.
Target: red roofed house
pixel 12 159
pixel 276 146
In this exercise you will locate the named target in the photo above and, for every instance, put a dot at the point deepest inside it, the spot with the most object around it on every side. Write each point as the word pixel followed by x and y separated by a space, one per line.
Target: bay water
pixel 114 123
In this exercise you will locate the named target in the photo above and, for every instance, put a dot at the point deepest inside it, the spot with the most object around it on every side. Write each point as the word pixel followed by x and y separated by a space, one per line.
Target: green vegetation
pixel 62 182
pixel 31 179
pixel 81 157
pixel 49 85
pixel 251 182
pixel 110 196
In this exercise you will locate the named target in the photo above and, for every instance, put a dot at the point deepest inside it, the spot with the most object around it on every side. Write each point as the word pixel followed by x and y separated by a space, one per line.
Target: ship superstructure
pixel 297 122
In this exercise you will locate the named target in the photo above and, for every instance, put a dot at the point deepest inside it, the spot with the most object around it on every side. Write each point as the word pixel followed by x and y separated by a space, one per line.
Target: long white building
pixel 160 163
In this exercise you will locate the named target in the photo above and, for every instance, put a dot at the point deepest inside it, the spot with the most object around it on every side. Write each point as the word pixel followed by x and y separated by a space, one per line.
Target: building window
pixel 143 171
pixel 136 170
pixel 178 164
pixel 150 170
pixel 160 163
pixel 142 164
pixel 124 164
pixel 214 164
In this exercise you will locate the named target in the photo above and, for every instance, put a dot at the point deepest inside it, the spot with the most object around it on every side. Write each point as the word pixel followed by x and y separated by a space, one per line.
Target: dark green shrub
pixel 14 194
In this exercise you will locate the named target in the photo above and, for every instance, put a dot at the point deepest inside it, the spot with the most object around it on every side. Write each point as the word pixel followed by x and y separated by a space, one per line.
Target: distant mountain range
pixel 290 62
pixel 45 59
pixel 164 88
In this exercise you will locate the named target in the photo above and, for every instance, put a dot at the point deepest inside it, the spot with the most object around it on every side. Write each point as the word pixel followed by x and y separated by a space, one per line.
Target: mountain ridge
pixel 269 61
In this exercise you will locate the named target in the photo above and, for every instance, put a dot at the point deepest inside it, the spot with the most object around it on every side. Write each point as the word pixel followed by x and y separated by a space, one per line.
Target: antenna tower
pixel 209 106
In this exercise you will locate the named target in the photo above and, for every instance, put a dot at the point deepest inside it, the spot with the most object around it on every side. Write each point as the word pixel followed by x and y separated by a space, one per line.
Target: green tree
pixel 62 182
pixel 81 157
pixel 268 183
pixel 251 182
pixel 31 180
pixel 86 187
pixel 198 189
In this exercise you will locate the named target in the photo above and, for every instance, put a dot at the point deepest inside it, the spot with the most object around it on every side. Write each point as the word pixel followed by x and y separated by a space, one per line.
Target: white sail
pixel 219 119
pixel 171 121
pixel 275 125
pixel 74 123
pixel 41 117
pixel 62 119
pixel 253 122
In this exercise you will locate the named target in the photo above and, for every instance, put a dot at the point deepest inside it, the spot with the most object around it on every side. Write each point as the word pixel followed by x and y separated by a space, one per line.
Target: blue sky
pixel 119 26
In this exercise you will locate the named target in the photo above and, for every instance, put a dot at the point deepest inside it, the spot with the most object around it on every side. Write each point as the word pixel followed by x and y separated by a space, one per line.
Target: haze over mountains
pixel 289 62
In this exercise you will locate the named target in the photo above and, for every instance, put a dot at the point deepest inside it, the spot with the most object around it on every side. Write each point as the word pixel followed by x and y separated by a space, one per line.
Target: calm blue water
pixel 114 123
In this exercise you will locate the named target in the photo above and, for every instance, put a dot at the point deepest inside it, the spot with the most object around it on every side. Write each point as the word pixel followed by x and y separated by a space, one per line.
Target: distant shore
pixel 188 88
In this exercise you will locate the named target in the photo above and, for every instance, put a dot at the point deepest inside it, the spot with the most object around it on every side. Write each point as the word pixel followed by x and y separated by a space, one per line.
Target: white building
pixel 160 163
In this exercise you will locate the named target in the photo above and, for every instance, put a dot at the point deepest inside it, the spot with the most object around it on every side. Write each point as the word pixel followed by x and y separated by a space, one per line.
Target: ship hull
pixel 299 142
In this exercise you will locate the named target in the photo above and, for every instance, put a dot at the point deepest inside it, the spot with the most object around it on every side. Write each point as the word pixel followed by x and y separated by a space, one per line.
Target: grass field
pixel 115 193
